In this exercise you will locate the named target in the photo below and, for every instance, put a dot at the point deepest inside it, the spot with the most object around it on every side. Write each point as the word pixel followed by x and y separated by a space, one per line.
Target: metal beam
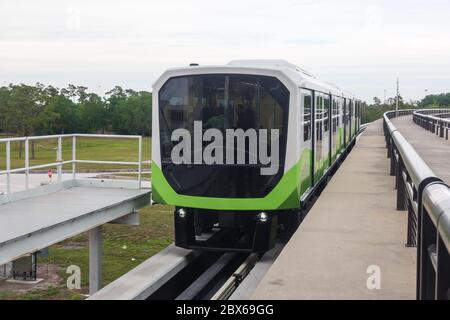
pixel 54 233
pixel 131 219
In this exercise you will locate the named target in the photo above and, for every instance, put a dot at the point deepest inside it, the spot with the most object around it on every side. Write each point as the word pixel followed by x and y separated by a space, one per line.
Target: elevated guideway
pixel 432 148
pixel 357 242
pixel 351 238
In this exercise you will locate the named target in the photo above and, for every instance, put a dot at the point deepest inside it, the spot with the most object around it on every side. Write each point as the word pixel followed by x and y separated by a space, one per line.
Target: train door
pixel 358 113
pixel 334 128
pixel 341 123
pixel 318 136
pixel 344 121
pixel 306 152
pixel 349 120
pixel 326 131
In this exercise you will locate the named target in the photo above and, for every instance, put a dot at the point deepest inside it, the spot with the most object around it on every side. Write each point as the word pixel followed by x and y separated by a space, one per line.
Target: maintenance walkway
pixel 435 151
pixel 351 245
pixel 44 213
pixel 52 215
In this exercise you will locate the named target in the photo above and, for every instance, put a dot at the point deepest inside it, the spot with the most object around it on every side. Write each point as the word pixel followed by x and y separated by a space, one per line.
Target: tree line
pixel 375 110
pixel 27 110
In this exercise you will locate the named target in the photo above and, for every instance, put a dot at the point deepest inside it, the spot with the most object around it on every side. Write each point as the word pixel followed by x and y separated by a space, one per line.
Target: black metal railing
pixel 436 121
pixel 426 198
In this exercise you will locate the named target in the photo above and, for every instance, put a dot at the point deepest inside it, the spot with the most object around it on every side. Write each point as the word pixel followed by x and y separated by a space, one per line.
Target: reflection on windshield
pixel 222 101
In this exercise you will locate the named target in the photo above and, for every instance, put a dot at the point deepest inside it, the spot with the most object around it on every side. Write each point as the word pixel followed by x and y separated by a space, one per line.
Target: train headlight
pixel 263 217
pixel 182 213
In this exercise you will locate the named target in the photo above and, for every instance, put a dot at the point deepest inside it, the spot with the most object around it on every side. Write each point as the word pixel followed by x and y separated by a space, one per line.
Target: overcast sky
pixel 362 46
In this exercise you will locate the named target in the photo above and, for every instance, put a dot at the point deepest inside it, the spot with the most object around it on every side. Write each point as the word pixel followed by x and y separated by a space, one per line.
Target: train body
pixel 239 149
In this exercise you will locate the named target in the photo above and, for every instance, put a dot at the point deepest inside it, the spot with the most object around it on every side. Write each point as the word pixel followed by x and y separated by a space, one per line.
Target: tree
pixel 39 109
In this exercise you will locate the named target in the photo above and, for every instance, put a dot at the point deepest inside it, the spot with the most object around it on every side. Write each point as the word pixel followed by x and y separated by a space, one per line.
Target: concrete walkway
pixel 435 151
pixel 352 229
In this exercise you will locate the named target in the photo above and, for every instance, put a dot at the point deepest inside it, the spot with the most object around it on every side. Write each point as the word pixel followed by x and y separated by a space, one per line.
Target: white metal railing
pixel 59 160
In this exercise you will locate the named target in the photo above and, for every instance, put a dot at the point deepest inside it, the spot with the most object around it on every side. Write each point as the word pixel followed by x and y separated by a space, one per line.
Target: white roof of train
pixel 299 76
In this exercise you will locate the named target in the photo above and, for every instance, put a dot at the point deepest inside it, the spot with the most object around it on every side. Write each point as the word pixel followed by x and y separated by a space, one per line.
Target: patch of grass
pixel 87 149
pixel 49 293
pixel 124 247
pixel 6 295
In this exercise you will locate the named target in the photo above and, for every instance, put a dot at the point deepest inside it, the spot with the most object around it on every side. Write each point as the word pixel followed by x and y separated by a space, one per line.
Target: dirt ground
pixel 47 272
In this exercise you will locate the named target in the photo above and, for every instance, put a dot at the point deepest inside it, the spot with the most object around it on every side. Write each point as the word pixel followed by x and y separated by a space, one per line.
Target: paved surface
pixel 37 213
pixel 354 225
pixel 435 151
pixel 38 179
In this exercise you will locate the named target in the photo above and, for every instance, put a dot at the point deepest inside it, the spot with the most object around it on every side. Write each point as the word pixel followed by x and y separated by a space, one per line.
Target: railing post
pixel 74 157
pixel 393 160
pixel 8 167
pixel 140 162
pixel 426 277
pixel 27 164
pixel 388 147
pixel 401 188
pixel 442 275
pixel 59 160
pixel 412 226
pixel 441 125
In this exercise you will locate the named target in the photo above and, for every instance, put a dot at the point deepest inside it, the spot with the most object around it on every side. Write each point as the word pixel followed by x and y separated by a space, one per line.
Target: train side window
pixel 306 117
pixel 326 112
pixel 334 113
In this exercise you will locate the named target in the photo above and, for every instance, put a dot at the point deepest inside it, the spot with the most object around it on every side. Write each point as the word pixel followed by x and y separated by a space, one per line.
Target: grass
pixel 124 247
pixel 87 149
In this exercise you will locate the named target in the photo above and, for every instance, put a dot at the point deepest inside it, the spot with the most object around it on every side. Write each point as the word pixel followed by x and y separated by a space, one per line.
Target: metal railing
pixel 427 200
pixel 436 121
pixel 59 163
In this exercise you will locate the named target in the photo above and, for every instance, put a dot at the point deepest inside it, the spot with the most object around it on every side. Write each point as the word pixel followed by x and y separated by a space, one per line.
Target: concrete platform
pixel 36 219
pixel 435 151
pixel 352 230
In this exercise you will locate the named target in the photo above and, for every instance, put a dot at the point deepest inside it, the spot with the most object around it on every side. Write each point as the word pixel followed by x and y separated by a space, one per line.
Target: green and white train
pixel 230 193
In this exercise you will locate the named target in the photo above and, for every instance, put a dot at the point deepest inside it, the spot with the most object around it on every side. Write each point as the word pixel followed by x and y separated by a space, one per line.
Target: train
pixel 240 149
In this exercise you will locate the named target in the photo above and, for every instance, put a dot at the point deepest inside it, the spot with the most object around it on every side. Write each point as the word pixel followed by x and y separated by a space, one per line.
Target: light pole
pixel 396 100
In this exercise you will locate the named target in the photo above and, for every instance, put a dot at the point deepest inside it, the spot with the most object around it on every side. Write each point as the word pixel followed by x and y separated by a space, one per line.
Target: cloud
pixel 360 45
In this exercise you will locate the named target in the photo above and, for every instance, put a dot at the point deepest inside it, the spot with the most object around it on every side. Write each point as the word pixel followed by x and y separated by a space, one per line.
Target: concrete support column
pixel 95 259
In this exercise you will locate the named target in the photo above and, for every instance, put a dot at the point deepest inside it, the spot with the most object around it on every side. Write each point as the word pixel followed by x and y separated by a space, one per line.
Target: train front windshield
pixel 221 101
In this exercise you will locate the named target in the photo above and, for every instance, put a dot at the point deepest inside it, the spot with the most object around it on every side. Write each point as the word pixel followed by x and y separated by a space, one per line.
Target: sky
pixel 362 46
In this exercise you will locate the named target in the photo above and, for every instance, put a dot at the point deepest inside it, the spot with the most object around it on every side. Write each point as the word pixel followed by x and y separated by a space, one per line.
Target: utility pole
pixel 384 97
pixel 398 95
